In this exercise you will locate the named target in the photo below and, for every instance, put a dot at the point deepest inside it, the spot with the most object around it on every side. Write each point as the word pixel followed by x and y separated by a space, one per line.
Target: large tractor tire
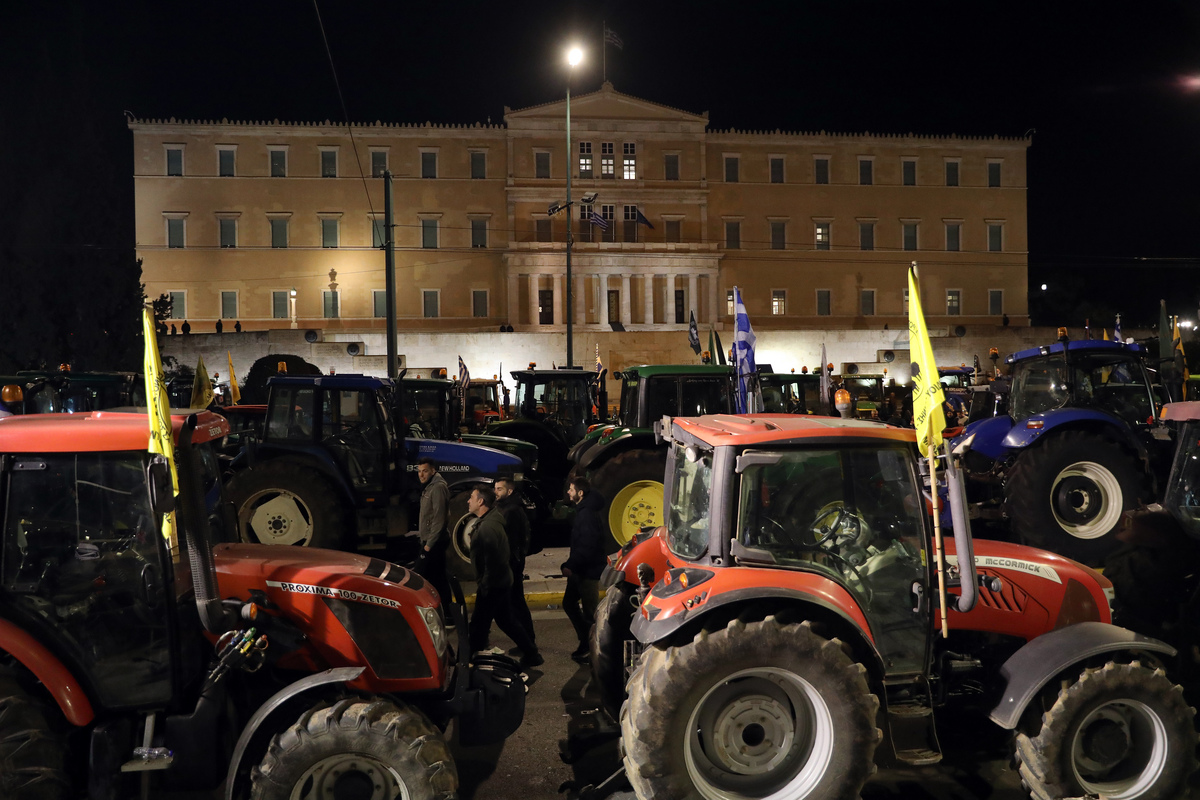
pixel 360 748
pixel 1067 495
pixel 32 756
pixel 614 616
pixel 756 710
pixel 278 502
pixel 461 524
pixel 631 484
pixel 1122 732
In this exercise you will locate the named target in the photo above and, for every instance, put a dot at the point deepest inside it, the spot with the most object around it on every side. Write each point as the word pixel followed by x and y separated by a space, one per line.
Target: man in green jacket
pixel 493 580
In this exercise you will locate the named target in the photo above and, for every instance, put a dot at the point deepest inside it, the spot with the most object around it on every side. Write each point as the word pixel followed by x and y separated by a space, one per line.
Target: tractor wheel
pixel 32 757
pixel 1151 583
pixel 607 643
pixel 1068 493
pixel 361 748
pixel 756 710
pixel 1122 731
pixel 631 484
pixel 281 503
pixel 461 522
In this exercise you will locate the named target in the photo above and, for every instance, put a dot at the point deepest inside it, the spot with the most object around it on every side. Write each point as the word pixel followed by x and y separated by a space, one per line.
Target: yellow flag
pixel 235 394
pixel 1177 351
pixel 202 391
pixel 928 417
pixel 162 441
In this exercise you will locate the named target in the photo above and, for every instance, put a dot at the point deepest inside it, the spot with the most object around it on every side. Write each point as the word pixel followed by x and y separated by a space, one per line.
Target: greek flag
pixel 610 37
pixel 743 357
pixel 598 221
pixel 1117 330
pixel 464 375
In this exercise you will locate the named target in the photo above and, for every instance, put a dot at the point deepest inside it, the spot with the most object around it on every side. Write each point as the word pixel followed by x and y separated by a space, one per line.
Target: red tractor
pixel 789 643
pixel 297 673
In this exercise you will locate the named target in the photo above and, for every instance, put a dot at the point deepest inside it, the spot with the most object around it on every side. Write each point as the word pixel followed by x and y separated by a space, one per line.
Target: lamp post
pixel 574 56
pixel 292 298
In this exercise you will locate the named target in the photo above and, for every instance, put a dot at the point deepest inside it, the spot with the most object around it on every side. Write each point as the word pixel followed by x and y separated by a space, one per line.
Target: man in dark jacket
pixel 493 580
pixel 585 562
pixel 432 530
pixel 516 526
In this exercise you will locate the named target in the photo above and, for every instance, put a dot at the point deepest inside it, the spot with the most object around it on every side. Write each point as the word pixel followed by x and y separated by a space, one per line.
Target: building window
pixel 478 165
pixel 278 158
pixel 585 222
pixel 678 303
pixel 821 170
pixel 479 233
pixel 331 305
pixel 993 174
pixel 822 235
pixel 731 169
pixel 429 233
pixel 823 302
pixel 178 305
pixel 909 230
pixel 429 164
pixel 908 172
pixel 866 172
pixel 377 238
pixel 175 232
pixel 546 306
pixel 995 237
pixel 995 302
pixel 585 159
pixel 541 164
pixel 729 305
pixel 279 305
pixel 629 163
pixel 229 305
pixel 607 161
pixel 954 236
pixel 779 302
pixel 866 302
pixel 952 173
pixel 379 163
pixel 733 235
pixel 329 164
pixel 953 302
pixel 608 213
pixel 630 224
pixel 379 303
pixel 226 162
pixel 905 303
pixel 542 229
pixel 671 167
pixel 776 165
pixel 866 236
pixel 778 235
pixel 228 231
pixel 329 233
pixel 479 303
pixel 175 161
pixel 671 231
pixel 429 303
pixel 279 233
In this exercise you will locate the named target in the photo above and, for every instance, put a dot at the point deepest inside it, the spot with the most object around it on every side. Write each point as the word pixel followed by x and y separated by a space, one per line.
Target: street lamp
pixel 292 297
pixel 574 56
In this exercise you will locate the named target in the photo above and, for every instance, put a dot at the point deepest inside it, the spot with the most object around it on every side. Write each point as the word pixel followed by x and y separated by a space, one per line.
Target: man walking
pixel 493 580
pixel 516 527
pixel 585 562
pixel 435 507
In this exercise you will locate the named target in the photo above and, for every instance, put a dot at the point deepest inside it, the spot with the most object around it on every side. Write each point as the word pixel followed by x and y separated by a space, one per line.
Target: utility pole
pixel 389 261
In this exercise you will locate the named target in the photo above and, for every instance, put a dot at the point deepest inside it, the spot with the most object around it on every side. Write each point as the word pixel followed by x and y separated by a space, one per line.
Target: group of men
pixel 499 545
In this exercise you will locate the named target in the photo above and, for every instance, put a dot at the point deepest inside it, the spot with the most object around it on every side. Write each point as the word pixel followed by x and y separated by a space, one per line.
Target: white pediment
pixel 605 104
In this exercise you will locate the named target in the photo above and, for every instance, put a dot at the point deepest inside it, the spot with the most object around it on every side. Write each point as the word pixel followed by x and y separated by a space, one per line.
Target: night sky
pixel 1114 169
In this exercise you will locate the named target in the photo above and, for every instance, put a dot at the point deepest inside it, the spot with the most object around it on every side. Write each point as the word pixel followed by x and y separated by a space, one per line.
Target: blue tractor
pixel 1080 444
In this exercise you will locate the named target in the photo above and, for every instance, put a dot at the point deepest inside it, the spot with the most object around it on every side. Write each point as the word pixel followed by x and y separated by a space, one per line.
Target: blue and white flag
pixel 599 363
pixel 464 376
pixel 825 384
pixel 743 357
pixel 1117 330
pixel 598 221
pixel 641 219
pixel 610 37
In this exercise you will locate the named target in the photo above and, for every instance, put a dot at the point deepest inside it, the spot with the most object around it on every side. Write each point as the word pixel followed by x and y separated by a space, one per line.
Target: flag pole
pixel 604 49
pixel 937 537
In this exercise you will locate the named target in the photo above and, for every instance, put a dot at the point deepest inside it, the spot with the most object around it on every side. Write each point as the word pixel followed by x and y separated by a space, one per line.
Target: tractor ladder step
pixel 914 734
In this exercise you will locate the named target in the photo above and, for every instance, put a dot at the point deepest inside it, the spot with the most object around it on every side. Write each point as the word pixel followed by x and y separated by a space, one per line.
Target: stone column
pixel 714 308
pixel 626 314
pixel 580 299
pixel 602 310
pixel 669 313
pixel 514 299
pixel 694 297
pixel 559 319
pixel 648 296
pixel 533 298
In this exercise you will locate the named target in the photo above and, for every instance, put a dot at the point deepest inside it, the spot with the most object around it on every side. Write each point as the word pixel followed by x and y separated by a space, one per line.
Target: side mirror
pixel 162 493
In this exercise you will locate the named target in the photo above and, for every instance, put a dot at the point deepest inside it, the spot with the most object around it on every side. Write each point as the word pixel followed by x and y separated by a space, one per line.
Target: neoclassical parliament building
pixel 279 224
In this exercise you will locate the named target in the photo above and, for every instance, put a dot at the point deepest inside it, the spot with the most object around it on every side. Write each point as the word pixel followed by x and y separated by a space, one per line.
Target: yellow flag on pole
pixel 928 417
pixel 1177 352
pixel 235 394
pixel 202 390
pixel 158 405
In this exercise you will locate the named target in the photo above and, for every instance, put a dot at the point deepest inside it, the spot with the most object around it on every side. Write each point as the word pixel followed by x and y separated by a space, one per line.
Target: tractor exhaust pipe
pixel 197 535
pixel 964 547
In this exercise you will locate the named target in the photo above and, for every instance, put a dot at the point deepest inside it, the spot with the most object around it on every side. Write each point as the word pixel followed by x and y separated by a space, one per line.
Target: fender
pixel 614 443
pixel 293 690
pixel 990 436
pixel 1022 436
pixel 460 460
pixel 57 679
pixel 644 548
pixel 1034 665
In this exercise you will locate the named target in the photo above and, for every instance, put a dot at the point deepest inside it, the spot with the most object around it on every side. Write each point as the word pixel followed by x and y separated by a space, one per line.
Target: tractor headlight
pixel 437 631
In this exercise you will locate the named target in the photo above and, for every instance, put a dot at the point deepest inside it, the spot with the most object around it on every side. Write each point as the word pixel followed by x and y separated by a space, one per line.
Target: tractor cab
pixel 486 403
pixel 564 400
pixel 64 391
pixel 790 393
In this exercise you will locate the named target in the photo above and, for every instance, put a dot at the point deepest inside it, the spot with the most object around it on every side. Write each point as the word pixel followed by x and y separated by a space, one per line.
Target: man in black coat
pixel 516 526
pixel 585 562
pixel 493 580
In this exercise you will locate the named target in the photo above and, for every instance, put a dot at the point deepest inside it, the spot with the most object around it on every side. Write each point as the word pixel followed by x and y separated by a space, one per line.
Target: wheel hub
pixel 753 734
pixel 1087 500
pixel 280 520
pixel 1119 750
pixel 636 506
pixel 349 776
pixel 1078 499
